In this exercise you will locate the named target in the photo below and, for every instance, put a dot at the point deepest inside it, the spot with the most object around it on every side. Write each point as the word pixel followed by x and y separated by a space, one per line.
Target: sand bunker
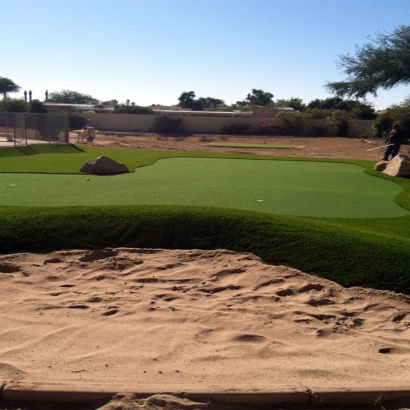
pixel 170 320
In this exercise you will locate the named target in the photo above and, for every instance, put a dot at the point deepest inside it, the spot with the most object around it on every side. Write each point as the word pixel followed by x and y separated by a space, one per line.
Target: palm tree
pixel 8 86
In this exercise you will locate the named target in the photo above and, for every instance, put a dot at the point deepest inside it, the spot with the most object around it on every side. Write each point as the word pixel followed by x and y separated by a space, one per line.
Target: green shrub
pixel 383 125
pixel 269 129
pixel 76 123
pixel 14 105
pixel 337 124
pixel 132 109
pixel 316 131
pixel 316 113
pixel 166 123
pixel 235 129
pixel 292 123
pixel 36 106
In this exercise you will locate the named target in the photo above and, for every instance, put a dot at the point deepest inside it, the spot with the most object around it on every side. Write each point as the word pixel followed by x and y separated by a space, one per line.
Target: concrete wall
pixel 202 125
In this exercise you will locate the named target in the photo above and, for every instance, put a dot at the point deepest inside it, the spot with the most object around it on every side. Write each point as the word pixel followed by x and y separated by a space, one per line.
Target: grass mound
pixel 351 257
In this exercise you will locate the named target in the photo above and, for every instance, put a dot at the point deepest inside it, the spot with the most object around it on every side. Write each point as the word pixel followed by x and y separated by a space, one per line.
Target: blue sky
pixel 150 51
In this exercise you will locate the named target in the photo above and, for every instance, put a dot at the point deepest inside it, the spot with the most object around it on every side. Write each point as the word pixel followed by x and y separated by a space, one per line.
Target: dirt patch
pixel 323 147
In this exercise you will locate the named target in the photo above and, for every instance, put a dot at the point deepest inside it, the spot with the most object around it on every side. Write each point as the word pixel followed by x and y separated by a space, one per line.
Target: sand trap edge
pixel 291 395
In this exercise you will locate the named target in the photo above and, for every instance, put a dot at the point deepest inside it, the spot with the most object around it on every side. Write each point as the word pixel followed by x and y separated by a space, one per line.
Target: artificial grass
pixel 371 252
pixel 277 187
pixel 349 257
pixel 241 145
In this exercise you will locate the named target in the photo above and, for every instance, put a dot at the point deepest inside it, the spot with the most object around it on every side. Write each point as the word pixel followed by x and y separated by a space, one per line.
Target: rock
pixel 380 166
pixel 104 166
pixel 399 166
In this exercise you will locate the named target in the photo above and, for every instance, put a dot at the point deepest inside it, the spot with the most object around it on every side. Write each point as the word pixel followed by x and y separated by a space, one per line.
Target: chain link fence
pixel 27 129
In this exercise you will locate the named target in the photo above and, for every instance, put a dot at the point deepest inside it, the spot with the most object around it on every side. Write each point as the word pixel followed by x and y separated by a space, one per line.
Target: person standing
pixel 394 139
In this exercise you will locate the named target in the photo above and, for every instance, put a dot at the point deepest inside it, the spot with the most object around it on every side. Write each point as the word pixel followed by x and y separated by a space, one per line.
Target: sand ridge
pixel 186 320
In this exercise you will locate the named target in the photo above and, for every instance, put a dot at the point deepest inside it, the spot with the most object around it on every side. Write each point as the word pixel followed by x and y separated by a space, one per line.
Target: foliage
pixel 269 129
pixel 8 86
pixel 295 103
pixel 166 123
pixel 14 105
pixel 396 113
pixel 109 103
pixel 37 107
pixel 361 111
pixel 131 109
pixel 358 110
pixel 258 97
pixel 292 122
pixel 317 131
pixel 76 122
pixel 187 100
pixel 332 103
pixel 210 102
pixel 337 124
pixel 316 113
pixel 383 125
pixel 235 129
pixel 383 63
pixel 71 97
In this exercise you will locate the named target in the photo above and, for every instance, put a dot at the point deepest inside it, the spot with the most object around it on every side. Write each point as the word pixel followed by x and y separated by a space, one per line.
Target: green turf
pixel 370 252
pixel 241 145
pixel 278 187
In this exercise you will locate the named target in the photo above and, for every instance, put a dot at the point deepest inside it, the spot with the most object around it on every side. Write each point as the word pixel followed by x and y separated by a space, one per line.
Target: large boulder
pixel 104 166
pixel 399 166
pixel 381 166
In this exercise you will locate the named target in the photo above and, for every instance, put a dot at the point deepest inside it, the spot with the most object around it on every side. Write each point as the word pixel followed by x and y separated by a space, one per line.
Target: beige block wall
pixel 205 125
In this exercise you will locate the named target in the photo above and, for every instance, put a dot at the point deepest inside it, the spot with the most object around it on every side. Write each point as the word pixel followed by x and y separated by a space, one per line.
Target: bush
pixel 13 105
pixel 337 124
pixel 383 125
pixel 76 123
pixel 405 126
pixel 317 131
pixel 292 123
pixel 36 106
pixel 269 129
pixel 132 109
pixel 166 123
pixel 316 113
pixel 235 129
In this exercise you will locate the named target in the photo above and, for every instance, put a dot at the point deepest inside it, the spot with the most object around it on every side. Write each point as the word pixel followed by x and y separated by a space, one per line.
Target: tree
pixel 8 86
pixel 109 103
pixel 71 97
pixel 383 63
pixel 332 103
pixel 187 99
pixel 356 109
pixel 295 103
pixel 258 97
pixel 209 102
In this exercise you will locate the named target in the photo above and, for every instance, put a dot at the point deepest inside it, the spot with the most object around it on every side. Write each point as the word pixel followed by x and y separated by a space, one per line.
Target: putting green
pixel 318 189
